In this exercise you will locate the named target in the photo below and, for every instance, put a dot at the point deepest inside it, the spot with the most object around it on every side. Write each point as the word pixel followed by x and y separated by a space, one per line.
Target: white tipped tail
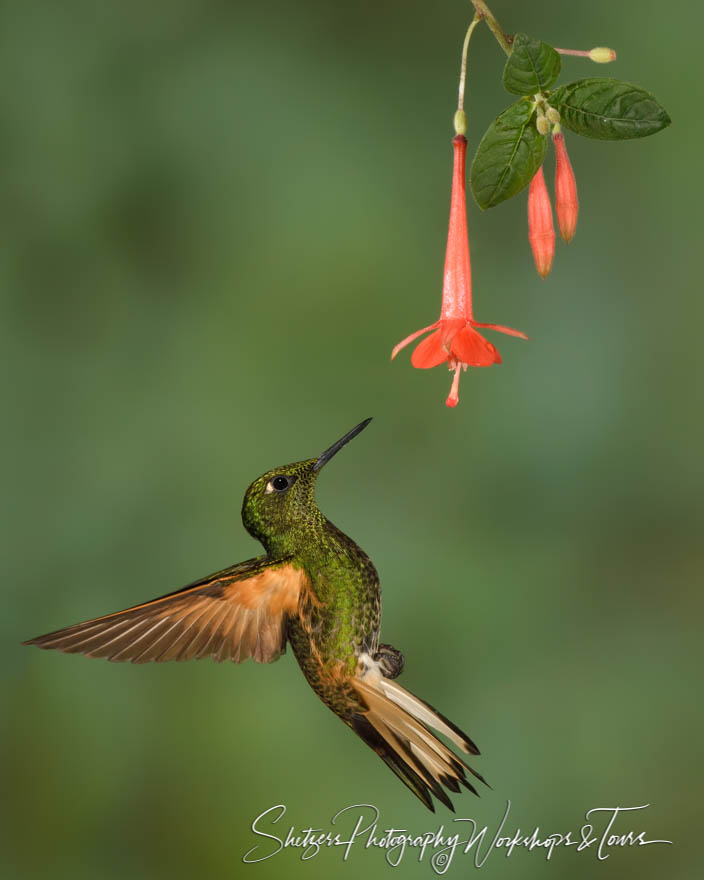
pixel 396 724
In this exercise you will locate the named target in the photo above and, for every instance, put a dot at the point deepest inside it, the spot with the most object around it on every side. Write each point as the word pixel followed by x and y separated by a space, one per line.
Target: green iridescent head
pixel 279 507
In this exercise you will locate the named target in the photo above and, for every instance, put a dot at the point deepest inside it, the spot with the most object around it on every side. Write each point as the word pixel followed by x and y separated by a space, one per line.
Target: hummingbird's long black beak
pixel 336 447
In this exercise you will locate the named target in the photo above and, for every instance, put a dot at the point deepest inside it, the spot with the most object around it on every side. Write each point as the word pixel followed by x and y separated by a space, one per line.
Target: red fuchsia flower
pixel 455 341
pixel 541 232
pixel 566 201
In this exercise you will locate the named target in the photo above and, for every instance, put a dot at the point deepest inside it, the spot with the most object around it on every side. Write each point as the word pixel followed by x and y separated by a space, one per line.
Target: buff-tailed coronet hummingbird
pixel 314 588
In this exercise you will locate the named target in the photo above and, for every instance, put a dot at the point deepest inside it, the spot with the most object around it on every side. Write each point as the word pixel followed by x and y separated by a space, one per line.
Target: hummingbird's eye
pixel 278 484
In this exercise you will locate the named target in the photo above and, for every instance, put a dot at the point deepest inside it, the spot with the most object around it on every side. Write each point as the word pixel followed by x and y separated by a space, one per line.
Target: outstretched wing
pixel 235 614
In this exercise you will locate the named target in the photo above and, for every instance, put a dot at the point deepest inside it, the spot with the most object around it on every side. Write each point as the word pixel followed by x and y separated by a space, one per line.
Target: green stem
pixel 463 68
pixel 484 12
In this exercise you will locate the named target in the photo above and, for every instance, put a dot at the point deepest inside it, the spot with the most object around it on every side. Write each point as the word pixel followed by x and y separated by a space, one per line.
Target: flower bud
pixel 542 124
pixel 541 232
pixel 602 55
pixel 566 201
pixel 552 115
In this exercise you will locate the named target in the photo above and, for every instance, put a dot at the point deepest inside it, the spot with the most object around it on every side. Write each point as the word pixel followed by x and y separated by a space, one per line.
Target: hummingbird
pixel 315 589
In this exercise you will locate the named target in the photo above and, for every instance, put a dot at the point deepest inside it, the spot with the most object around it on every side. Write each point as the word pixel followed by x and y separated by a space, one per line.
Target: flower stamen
pixel 453 398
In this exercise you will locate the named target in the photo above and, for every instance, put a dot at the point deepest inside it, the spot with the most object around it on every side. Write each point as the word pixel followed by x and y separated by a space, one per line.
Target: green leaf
pixel 532 66
pixel 608 109
pixel 508 156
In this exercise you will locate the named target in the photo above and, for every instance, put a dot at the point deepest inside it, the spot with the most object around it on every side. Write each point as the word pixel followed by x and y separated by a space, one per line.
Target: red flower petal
pixel 501 329
pixel 404 342
pixel 449 327
pixel 470 347
pixel 430 352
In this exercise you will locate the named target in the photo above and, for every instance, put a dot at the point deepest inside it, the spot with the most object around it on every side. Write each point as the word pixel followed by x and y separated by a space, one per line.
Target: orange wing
pixel 233 615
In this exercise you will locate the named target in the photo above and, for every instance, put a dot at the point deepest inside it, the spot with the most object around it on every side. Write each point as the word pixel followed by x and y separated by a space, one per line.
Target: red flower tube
pixel 566 201
pixel 455 341
pixel 541 232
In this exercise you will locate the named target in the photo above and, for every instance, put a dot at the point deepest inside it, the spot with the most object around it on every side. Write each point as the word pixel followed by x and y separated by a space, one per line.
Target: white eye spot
pixel 279 484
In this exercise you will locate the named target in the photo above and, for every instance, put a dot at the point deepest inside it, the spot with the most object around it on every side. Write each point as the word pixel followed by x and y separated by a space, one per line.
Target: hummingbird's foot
pixel 391 661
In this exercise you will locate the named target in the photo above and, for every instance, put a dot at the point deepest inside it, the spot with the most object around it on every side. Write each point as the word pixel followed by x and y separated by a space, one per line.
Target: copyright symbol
pixel 440 860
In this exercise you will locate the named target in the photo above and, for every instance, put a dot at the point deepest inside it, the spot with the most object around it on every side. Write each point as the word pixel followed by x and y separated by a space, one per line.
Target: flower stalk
pixel 599 54
pixel 501 37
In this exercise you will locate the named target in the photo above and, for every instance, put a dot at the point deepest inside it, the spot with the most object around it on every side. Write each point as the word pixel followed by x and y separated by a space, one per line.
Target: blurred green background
pixel 218 218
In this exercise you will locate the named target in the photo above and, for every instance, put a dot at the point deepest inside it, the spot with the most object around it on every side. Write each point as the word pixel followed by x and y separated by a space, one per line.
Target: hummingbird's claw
pixel 391 661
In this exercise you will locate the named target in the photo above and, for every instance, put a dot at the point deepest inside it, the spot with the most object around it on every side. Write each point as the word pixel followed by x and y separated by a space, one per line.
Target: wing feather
pixel 233 615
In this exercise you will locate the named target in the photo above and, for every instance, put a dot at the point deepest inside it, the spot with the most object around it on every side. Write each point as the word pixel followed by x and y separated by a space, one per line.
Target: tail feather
pixel 392 759
pixel 396 724
pixel 427 714
pixel 417 759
